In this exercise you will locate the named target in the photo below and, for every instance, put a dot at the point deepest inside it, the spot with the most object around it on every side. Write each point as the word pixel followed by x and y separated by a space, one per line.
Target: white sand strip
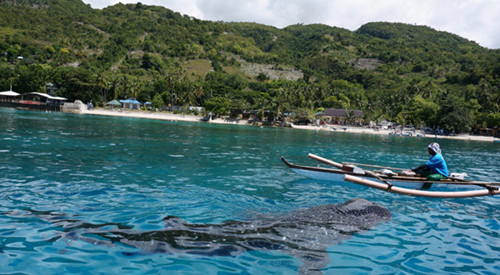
pixel 332 128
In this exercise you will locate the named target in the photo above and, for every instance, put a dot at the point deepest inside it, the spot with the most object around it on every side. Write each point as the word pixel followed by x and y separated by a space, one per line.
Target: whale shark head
pixel 310 231
pixel 367 213
pixel 358 214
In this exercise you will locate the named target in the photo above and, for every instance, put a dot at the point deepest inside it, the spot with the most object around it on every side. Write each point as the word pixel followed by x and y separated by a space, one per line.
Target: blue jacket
pixel 438 165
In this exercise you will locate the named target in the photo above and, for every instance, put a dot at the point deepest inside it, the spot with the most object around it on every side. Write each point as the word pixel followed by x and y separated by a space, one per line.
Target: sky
pixel 476 20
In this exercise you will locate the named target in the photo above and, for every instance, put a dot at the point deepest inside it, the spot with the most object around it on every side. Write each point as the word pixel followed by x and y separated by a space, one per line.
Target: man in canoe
pixel 435 168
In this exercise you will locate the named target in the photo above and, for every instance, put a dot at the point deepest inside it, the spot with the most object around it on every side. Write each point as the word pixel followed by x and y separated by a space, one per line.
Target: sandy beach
pixel 193 118
pixel 363 130
pixel 161 116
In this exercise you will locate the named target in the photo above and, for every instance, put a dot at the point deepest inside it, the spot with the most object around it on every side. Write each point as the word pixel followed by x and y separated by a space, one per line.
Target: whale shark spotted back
pixel 305 233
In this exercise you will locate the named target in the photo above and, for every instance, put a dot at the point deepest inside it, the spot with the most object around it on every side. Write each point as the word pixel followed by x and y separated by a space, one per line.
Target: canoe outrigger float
pixel 389 181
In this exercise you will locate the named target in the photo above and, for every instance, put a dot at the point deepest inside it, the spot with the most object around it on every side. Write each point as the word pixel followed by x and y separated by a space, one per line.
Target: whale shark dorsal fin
pixel 173 221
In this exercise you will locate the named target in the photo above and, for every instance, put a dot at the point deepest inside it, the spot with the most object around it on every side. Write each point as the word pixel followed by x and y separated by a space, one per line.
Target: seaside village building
pixel 341 117
pixel 8 97
pixel 130 103
pixel 50 88
pixel 34 100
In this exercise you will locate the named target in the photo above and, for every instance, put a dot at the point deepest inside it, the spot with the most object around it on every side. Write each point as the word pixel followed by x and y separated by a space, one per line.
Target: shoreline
pixel 193 118
pixel 362 130
pixel 161 116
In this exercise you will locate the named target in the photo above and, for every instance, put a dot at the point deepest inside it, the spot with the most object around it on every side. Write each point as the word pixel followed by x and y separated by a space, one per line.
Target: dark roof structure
pixel 342 113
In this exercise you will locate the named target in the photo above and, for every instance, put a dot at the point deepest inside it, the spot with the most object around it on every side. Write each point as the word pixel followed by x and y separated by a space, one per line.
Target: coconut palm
pixel 101 83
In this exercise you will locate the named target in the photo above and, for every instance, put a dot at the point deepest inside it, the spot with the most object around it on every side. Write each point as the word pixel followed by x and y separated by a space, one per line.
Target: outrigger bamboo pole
pixel 375 166
pixel 327 161
pixel 452 180
pixel 341 165
pixel 422 193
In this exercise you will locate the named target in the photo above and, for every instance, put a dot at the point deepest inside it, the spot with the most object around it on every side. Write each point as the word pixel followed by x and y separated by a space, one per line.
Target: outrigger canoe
pixel 394 182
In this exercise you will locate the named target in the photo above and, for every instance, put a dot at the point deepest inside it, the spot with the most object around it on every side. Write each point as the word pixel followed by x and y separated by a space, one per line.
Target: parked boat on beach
pixel 330 128
pixel 390 181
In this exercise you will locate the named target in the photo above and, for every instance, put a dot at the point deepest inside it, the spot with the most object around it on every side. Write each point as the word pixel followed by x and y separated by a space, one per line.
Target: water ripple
pixel 134 173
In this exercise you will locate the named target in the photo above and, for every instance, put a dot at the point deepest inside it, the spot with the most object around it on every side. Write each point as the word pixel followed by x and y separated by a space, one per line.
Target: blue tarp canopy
pixel 130 101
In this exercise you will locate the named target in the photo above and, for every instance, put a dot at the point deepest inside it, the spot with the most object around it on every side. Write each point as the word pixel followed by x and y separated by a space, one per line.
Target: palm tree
pixel 195 92
pixel 172 79
pixel 122 84
pixel 133 87
pixel 262 104
pixel 115 85
pixel 101 83
pixel 277 102
pixel 281 99
pixel 108 85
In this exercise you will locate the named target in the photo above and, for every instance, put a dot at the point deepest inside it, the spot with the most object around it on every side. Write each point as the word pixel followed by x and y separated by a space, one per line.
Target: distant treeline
pixel 403 73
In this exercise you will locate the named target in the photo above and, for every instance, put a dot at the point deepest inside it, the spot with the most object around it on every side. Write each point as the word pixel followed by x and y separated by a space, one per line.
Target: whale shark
pixel 304 233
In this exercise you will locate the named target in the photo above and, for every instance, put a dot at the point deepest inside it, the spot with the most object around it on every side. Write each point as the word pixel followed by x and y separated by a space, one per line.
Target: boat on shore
pixel 394 182
pixel 329 128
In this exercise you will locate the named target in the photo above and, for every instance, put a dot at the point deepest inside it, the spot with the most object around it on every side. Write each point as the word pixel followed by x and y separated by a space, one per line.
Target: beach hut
pixel 130 103
pixel 43 97
pixel 42 101
pixel 342 116
pixel 9 93
pixel 114 103
pixel 37 101
pixel 9 99
pixel 8 96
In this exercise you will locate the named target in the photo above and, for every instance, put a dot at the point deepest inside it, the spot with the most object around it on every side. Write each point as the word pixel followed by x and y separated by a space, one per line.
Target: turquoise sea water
pixel 134 172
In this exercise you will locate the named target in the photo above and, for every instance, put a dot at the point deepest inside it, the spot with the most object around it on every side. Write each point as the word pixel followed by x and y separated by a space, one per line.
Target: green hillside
pixel 405 73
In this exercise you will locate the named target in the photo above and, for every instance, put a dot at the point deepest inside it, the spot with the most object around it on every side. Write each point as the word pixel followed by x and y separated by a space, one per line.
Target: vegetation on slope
pixel 410 74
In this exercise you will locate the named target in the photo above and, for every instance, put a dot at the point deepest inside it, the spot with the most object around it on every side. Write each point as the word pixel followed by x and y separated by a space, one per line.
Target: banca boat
pixel 389 181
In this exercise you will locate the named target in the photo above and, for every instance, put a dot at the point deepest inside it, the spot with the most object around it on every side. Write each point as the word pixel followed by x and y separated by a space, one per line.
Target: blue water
pixel 135 172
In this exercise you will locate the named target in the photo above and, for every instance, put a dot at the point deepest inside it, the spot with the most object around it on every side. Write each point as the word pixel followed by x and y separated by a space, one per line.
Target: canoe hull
pixel 336 175
pixel 333 177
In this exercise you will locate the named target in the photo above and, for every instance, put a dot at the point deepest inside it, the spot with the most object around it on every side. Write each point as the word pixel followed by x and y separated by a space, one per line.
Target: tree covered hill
pixel 407 73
